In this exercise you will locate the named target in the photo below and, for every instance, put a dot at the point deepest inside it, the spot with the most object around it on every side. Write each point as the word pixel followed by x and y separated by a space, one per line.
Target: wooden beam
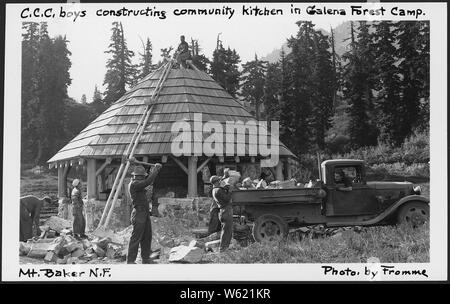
pixel 252 159
pixel 288 168
pixel 192 176
pixel 91 178
pixel 279 171
pixel 236 159
pixel 164 159
pixel 221 159
pixel 203 165
pixel 145 159
pixel 62 182
pixel 103 166
pixel 179 163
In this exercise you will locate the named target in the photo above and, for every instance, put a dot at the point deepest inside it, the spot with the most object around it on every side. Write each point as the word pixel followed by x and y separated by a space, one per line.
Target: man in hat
pixel 30 211
pixel 140 216
pixel 222 197
pixel 183 52
pixel 79 222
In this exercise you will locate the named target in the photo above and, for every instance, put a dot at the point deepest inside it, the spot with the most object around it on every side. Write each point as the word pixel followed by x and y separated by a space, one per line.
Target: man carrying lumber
pixel 222 197
pixel 140 216
pixel 30 212
pixel 79 222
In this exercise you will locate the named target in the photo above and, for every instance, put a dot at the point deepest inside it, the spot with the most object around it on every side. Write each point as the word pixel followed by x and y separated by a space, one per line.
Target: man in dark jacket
pixel 140 216
pixel 222 197
pixel 30 211
pixel 183 52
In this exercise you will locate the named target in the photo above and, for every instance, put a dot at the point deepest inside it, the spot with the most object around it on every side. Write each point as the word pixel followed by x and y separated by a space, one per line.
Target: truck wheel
pixel 269 227
pixel 414 214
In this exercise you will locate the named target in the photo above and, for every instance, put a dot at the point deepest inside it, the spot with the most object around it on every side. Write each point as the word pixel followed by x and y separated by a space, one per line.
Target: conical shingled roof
pixel 184 93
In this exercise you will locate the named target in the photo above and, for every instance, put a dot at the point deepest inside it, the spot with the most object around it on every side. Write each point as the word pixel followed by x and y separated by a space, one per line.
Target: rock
pixel 63 260
pixel 77 253
pixel 66 232
pixel 113 251
pixel 167 241
pixel 72 246
pixel 57 245
pixel 24 248
pixel 98 250
pixel 337 235
pixel 197 243
pixel 72 260
pixel 211 237
pixel 51 234
pixel 58 224
pixel 86 244
pixel 90 256
pixel 186 254
pixel 212 244
pixel 38 250
pixel 103 243
pixel 51 257
pixel 89 250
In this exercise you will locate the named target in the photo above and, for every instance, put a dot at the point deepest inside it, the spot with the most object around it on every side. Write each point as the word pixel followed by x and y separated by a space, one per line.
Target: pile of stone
pixel 57 245
pixel 320 231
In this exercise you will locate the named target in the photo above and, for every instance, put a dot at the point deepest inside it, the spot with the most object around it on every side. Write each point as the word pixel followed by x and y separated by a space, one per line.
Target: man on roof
pixel 183 53
pixel 140 216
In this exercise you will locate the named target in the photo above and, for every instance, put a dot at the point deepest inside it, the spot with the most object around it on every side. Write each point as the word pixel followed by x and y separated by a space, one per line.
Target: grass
pixel 390 244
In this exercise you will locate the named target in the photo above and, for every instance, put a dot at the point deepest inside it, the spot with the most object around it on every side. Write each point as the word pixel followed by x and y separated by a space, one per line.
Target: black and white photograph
pixel 251 141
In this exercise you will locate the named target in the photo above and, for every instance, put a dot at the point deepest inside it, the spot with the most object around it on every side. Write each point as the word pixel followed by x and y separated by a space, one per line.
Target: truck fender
pixel 392 209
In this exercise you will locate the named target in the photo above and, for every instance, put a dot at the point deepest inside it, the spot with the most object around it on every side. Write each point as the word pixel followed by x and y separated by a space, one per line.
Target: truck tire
pixel 413 213
pixel 269 227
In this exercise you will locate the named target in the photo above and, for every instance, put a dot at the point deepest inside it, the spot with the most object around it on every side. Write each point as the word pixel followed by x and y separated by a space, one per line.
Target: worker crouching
pixel 222 197
pixel 140 216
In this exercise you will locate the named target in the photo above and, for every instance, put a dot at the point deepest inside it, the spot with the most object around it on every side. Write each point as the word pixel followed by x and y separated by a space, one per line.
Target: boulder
pixel 66 232
pixel 186 254
pixel 86 244
pixel 167 241
pixel 63 260
pixel 51 257
pixel 58 224
pixel 24 248
pixel 72 246
pixel 113 251
pixel 72 261
pixel 98 250
pixel 77 253
pixel 38 250
pixel 197 243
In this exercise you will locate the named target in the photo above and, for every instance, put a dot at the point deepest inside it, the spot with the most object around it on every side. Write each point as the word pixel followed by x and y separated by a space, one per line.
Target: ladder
pixel 129 153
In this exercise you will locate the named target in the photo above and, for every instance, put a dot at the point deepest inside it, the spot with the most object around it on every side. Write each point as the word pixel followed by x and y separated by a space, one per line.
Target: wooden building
pixel 185 94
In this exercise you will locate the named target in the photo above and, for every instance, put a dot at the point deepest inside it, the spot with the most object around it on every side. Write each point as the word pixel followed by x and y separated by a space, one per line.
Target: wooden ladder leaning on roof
pixel 125 163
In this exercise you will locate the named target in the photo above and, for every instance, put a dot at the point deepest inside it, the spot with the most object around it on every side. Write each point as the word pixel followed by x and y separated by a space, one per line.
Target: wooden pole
pixel 192 176
pixel 279 171
pixel 288 168
pixel 62 182
pixel 91 178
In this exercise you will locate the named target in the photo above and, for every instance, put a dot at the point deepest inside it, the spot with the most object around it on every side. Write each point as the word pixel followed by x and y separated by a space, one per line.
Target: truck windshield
pixel 347 174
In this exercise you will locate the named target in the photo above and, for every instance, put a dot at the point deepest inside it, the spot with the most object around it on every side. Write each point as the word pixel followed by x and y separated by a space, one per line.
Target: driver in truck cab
pixel 340 178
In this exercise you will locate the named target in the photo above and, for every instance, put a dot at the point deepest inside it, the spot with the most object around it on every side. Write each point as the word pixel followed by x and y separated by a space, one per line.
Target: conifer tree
pixel 253 74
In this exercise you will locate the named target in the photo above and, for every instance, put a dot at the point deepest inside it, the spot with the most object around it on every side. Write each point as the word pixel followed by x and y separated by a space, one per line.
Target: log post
pixel 288 168
pixel 91 178
pixel 279 171
pixel 62 182
pixel 192 176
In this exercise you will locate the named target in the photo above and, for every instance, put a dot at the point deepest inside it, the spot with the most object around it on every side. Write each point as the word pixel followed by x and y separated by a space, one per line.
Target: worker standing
pixel 30 211
pixel 140 216
pixel 222 197
pixel 79 222
pixel 214 222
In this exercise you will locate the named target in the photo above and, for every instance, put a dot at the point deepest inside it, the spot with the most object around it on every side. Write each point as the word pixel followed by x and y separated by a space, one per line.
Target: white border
pixel 436 269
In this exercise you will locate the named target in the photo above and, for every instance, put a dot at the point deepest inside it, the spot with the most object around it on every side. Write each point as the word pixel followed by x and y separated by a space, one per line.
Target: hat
pixel 75 182
pixel 139 170
pixel 214 179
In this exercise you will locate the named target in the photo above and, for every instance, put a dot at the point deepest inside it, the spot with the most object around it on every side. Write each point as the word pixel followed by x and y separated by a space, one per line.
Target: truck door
pixel 341 201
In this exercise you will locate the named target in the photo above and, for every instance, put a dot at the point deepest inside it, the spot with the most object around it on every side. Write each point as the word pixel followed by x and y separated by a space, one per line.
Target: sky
pixel 89 36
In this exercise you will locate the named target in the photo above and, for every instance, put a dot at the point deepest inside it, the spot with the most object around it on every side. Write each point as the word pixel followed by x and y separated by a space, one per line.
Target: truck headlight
pixel 417 190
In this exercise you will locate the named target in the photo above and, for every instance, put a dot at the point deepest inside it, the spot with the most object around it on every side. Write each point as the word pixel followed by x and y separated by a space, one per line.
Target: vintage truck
pixel 274 211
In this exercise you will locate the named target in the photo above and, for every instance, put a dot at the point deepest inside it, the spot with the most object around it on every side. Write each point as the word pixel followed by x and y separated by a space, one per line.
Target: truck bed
pixel 275 196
